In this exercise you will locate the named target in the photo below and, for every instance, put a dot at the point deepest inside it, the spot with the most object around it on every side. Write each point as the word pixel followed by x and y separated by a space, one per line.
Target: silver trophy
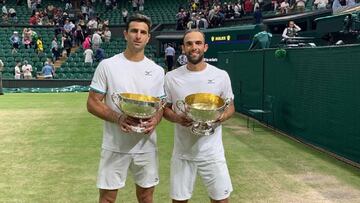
pixel 204 109
pixel 137 106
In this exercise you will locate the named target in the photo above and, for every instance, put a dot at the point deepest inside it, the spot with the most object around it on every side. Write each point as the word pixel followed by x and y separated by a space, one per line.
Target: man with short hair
pixel 122 149
pixel 169 57
pixel 197 154
pixel 15 41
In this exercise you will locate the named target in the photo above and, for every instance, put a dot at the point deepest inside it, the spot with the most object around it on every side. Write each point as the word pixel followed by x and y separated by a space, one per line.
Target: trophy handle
pixel 163 102
pixel 116 99
pixel 180 104
pixel 227 103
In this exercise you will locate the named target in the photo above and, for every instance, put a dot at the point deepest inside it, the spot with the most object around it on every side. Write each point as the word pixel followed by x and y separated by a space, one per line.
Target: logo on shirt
pixel 148 73
pixel 211 81
pixel 226 192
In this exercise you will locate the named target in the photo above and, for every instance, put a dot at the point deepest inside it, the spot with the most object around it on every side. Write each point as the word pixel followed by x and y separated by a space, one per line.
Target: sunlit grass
pixel 50 148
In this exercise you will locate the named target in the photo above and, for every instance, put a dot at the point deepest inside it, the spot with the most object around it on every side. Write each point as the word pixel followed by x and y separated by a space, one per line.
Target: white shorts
pixel 214 174
pixel 114 166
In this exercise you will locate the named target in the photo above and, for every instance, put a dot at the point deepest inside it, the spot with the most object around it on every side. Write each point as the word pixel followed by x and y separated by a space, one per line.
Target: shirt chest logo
pixel 211 81
pixel 148 73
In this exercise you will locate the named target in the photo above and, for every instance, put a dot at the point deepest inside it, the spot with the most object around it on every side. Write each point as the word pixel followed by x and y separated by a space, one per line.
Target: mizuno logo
pixel 148 73
pixel 212 81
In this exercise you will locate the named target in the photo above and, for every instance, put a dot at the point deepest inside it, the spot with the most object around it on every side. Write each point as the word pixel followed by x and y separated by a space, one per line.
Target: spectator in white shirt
pixel 27 69
pixel 88 53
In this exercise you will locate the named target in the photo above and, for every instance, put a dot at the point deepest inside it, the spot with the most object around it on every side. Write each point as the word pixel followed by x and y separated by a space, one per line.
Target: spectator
pixel 284 7
pixel 67 44
pixel 85 11
pixel 1 70
pixel 248 6
pixel 261 39
pixel 39 46
pixel 291 30
pixel 55 53
pixel 68 5
pixel 92 24
pixel 237 10
pixel 32 20
pixel 26 38
pixel 4 10
pixel 87 42
pixel 68 26
pixel 107 34
pixel 47 71
pixel 17 74
pixel 300 6
pixel 124 13
pixel 96 40
pixel 108 5
pixel 201 22
pixel 13 16
pixel 88 53
pixel 15 41
pixel 79 35
pixel 27 69
pixel 34 37
pixel 5 14
pixel 99 54
pixel 321 4
pixel 141 5
pixel 134 5
pixel 169 57
pixel 338 5
pixel 258 15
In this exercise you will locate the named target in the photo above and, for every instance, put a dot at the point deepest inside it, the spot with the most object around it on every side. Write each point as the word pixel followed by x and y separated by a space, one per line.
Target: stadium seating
pixel 22 54
pixel 158 10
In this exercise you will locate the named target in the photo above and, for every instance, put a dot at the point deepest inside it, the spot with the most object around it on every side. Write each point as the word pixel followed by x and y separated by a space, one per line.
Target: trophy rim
pixel 139 97
pixel 220 102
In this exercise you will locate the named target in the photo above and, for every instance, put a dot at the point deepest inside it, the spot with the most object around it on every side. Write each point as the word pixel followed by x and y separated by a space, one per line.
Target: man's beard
pixel 195 60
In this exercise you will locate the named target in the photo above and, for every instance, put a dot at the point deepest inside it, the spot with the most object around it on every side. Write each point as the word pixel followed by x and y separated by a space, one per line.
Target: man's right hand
pixel 126 122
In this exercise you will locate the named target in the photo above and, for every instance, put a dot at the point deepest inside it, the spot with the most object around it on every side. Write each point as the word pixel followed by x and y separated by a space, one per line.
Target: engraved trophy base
pixel 201 129
pixel 137 129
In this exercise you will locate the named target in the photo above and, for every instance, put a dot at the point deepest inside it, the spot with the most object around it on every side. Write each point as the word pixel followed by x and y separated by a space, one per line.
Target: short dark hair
pixel 193 30
pixel 138 18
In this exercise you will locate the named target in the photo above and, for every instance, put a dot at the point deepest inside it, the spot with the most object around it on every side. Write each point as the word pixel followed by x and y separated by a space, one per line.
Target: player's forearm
pixel 102 111
pixel 228 112
pixel 170 115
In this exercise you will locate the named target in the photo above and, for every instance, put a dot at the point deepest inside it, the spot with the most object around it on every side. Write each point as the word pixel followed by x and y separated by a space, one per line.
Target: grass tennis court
pixel 49 152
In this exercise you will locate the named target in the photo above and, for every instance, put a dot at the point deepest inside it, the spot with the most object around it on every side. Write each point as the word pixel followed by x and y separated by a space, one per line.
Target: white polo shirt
pixel 182 82
pixel 119 75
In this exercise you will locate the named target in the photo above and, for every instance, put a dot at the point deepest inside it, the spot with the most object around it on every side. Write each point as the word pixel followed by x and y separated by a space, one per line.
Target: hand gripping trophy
pixel 204 109
pixel 138 106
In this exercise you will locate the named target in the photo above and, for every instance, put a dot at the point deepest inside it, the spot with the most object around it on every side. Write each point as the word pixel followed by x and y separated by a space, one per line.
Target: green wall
pixel 316 90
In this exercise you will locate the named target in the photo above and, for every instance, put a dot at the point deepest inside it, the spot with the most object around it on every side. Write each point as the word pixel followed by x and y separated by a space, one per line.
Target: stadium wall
pixel 12 83
pixel 316 91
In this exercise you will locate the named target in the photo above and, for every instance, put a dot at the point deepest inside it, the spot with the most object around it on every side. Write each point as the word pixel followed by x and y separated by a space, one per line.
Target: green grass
pixel 50 149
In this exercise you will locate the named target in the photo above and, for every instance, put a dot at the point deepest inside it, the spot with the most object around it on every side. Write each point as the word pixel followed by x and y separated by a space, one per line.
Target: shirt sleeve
pixel 99 81
pixel 284 34
pixel 227 90
pixel 167 90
